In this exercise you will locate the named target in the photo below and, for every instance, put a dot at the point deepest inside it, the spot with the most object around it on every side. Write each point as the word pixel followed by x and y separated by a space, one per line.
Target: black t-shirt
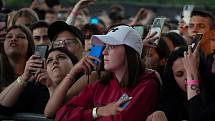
pixel 200 109
pixel 32 100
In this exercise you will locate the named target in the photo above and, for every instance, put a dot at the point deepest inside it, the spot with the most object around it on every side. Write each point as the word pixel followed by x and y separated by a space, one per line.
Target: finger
pixel 189 50
pixel 185 54
pixel 88 67
pixel 94 58
pixel 123 101
pixel 150 35
pixel 197 49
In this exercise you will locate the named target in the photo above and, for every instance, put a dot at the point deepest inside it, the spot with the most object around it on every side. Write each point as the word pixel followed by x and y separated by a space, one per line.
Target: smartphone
pixel 94 20
pixel 41 50
pixel 96 51
pixel 196 40
pixel 187 10
pixel 157 27
pixel 139 29
pixel 124 97
pixel 3 21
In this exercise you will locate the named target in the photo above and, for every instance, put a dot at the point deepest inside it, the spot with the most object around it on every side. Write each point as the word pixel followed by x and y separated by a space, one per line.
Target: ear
pixel 163 61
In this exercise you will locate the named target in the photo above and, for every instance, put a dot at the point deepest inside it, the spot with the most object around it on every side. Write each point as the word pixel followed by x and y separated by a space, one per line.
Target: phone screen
pixel 139 29
pixel 94 20
pixel 41 50
pixel 157 27
pixel 196 40
pixel 96 51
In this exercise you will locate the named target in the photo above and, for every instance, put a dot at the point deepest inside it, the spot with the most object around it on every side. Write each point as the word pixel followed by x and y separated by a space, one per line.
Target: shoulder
pixel 151 75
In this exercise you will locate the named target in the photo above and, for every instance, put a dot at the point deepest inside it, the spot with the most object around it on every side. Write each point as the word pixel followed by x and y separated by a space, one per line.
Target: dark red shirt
pixel 144 94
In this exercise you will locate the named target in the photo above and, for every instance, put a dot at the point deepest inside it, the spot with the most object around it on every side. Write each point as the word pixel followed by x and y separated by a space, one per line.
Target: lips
pixel 13 44
pixel 55 67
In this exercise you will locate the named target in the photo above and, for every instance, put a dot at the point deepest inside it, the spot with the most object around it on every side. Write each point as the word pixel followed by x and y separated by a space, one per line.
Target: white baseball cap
pixel 121 35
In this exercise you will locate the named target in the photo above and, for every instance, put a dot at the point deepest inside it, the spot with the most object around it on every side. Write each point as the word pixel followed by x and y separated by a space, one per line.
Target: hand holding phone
pixel 96 51
pixel 196 40
pixel 187 10
pixel 41 50
pixel 157 27
pixel 124 97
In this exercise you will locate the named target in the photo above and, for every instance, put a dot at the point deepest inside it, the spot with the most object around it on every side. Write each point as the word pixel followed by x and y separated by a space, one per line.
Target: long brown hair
pixel 134 69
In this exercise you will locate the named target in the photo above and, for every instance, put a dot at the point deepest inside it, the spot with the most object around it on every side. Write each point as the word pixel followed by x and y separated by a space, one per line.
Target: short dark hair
pixel 176 39
pixel 39 24
pixel 205 14
pixel 51 11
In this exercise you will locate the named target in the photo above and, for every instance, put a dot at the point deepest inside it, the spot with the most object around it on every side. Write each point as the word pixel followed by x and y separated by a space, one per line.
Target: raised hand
pixel 32 65
pixel 85 65
pixel 191 63
pixel 150 38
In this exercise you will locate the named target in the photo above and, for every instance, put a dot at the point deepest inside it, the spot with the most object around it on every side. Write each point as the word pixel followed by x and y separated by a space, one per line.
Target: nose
pixel 195 29
pixel 105 51
pixel 55 61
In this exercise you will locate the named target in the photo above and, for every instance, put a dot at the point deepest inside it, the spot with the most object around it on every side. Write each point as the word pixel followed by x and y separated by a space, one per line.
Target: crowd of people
pixel 132 79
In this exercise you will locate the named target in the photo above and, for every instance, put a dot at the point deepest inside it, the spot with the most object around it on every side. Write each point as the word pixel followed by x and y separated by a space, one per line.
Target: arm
pixel 191 64
pixel 60 94
pixel 78 6
pixel 140 106
pixel 10 95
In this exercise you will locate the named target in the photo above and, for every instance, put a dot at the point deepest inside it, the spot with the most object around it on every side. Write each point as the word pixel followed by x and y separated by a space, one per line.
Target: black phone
pixel 139 29
pixel 197 38
pixel 3 21
pixel 96 51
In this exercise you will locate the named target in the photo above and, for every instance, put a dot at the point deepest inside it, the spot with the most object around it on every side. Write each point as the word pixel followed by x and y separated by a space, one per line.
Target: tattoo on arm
pixel 195 88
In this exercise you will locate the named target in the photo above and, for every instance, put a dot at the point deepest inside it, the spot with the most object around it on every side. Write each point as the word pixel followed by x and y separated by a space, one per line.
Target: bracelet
pixel 20 81
pixel 191 82
pixel 94 113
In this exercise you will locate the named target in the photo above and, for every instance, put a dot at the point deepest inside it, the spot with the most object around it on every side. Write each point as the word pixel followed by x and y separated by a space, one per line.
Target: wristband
pixel 94 113
pixel 20 81
pixel 191 82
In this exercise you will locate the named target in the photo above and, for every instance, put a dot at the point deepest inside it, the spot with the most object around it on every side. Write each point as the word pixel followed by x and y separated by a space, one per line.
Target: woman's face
pixel 179 74
pixel 114 57
pixel 16 43
pixel 151 59
pixel 58 65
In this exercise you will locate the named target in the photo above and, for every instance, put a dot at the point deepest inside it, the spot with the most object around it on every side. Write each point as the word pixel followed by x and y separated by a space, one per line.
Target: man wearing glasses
pixel 64 35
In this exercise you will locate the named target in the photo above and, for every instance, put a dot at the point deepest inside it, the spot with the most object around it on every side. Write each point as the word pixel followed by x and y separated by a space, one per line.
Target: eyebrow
pixel 57 56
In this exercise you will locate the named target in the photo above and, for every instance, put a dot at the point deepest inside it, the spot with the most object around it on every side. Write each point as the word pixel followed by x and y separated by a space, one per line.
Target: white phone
pixel 157 27
pixel 187 10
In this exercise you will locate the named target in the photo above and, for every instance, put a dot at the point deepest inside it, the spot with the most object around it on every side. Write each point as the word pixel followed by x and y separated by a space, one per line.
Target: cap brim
pixel 101 39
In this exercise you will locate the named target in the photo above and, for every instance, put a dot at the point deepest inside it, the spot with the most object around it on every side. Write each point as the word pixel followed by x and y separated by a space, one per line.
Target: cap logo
pixel 114 29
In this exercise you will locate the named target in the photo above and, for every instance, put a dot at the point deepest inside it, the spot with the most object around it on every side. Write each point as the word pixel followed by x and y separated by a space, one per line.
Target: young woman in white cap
pixel 128 91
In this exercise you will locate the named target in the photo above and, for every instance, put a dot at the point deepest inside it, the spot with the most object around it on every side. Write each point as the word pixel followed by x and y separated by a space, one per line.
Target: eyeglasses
pixel 60 43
